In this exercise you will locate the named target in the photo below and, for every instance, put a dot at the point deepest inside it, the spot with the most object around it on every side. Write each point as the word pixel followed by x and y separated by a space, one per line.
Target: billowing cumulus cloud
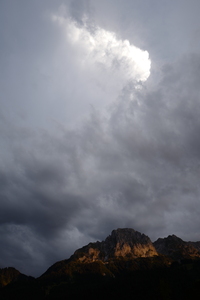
pixel 99 50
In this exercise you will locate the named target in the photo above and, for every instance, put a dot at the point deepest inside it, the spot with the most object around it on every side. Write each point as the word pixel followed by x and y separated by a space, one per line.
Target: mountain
pixel 124 242
pixel 195 245
pixel 176 248
pixel 10 275
pixel 126 265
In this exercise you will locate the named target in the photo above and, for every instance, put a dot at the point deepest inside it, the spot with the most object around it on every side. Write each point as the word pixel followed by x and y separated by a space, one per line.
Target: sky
pixel 99 124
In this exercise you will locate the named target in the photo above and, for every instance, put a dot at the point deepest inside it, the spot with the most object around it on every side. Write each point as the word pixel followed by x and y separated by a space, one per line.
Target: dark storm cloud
pixel 134 165
pixel 138 167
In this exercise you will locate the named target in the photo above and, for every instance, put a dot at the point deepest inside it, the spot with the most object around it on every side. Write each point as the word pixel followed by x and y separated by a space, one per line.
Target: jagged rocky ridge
pixel 125 244
pixel 176 248
pixel 118 267
pixel 121 243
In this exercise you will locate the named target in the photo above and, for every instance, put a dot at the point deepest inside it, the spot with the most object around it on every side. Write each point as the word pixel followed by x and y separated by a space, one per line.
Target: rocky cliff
pixel 176 248
pixel 124 242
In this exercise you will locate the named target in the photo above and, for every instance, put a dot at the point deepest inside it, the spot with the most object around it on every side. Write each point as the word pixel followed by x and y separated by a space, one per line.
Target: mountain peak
pixel 174 237
pixel 127 236
pixel 122 242
pixel 176 248
pixel 8 275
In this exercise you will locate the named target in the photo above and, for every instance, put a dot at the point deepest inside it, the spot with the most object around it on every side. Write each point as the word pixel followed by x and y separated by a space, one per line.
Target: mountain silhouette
pixel 125 265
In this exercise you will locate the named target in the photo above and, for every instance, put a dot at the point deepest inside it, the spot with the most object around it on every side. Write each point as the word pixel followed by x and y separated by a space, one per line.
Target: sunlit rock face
pixel 176 248
pixel 121 243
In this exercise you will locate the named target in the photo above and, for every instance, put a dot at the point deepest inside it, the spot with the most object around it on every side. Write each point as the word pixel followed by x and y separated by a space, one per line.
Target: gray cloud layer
pixel 134 164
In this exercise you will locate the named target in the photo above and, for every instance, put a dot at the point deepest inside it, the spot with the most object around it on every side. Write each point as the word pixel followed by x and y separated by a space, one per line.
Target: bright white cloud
pixel 100 51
